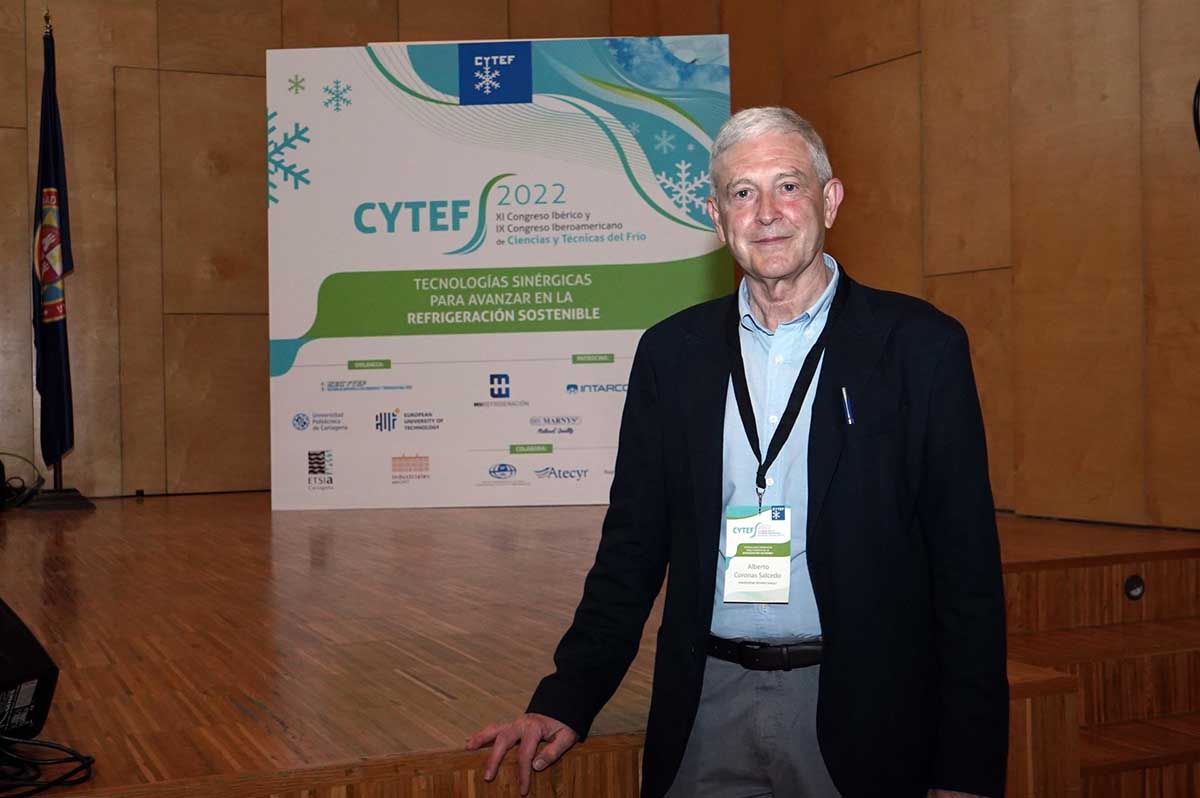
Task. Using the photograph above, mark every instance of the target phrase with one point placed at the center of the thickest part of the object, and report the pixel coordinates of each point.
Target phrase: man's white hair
(751, 122)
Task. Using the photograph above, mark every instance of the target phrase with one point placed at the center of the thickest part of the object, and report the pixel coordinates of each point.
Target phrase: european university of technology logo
(386, 421)
(495, 72)
(501, 386)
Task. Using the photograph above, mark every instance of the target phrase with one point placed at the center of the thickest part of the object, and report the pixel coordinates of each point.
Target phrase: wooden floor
(205, 637)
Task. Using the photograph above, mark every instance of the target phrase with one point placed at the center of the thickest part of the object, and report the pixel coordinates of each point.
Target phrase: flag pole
(52, 262)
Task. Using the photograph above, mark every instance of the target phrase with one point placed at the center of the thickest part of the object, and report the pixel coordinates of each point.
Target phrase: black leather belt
(763, 657)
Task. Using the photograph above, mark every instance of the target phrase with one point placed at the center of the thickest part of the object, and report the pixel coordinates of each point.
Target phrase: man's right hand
(528, 731)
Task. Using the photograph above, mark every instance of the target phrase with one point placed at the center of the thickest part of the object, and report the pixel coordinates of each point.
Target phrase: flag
(51, 263)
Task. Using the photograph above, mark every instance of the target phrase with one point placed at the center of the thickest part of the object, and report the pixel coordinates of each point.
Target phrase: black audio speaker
(27, 678)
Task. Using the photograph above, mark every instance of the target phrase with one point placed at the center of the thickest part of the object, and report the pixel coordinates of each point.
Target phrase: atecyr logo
(598, 387)
(502, 471)
(549, 472)
(301, 421)
(500, 386)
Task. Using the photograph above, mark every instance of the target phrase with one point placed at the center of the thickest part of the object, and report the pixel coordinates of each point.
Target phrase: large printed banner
(466, 242)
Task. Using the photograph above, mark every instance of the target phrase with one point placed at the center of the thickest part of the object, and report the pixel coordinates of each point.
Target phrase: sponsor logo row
(409, 468)
(420, 421)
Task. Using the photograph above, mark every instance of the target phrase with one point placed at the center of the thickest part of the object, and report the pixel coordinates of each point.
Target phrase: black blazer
(902, 549)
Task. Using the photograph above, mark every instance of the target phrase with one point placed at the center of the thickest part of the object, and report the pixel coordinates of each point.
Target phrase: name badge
(758, 544)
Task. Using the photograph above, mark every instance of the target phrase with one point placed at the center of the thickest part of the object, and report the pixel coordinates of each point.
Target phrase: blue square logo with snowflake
(495, 72)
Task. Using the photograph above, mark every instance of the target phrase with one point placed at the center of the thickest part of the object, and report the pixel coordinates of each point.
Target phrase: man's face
(769, 207)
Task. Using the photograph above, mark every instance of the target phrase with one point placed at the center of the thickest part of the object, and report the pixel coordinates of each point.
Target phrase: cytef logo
(501, 387)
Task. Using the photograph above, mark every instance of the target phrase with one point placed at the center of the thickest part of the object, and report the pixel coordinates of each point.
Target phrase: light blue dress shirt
(773, 362)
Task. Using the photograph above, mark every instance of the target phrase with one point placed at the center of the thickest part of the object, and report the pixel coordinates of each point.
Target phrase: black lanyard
(741, 390)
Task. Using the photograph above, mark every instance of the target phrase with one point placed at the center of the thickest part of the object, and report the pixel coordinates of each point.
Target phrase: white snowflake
(339, 95)
(488, 79)
(634, 128)
(279, 164)
(684, 189)
(664, 142)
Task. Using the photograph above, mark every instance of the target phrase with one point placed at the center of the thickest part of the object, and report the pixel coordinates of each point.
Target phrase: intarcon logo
(598, 387)
(502, 471)
(550, 472)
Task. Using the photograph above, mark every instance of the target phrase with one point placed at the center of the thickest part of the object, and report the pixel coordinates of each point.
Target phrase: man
(850, 641)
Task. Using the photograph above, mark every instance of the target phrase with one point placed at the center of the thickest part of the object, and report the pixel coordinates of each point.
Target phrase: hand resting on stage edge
(528, 731)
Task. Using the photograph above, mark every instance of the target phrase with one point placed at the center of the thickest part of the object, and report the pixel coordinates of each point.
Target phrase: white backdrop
(466, 242)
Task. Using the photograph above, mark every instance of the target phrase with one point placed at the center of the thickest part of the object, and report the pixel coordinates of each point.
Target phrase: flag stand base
(67, 499)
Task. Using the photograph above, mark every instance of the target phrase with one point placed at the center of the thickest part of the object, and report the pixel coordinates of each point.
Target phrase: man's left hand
(952, 794)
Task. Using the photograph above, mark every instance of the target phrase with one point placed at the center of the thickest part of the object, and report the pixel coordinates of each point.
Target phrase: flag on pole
(51, 263)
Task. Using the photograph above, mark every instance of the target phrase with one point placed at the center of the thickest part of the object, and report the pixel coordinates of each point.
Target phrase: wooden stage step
(1064, 575)
(1158, 758)
(1127, 672)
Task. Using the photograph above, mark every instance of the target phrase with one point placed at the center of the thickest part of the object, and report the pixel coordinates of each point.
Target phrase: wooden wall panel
(226, 36)
(528, 19)
(1170, 61)
(665, 17)
(982, 301)
(862, 33)
(217, 430)
(12, 63)
(874, 143)
(805, 78)
(91, 37)
(964, 135)
(213, 195)
(333, 23)
(453, 19)
(1077, 246)
(139, 249)
(755, 51)
(16, 332)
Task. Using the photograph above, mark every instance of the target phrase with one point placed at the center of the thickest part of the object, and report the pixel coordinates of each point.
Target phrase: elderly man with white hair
(805, 458)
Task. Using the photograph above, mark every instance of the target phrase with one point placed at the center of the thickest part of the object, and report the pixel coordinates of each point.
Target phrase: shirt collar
(820, 306)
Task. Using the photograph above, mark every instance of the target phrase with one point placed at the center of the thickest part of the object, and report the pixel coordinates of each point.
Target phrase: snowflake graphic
(295, 84)
(279, 165)
(488, 79)
(690, 146)
(339, 95)
(664, 142)
(634, 128)
(685, 190)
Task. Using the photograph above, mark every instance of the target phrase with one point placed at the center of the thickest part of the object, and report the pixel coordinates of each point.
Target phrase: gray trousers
(755, 736)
